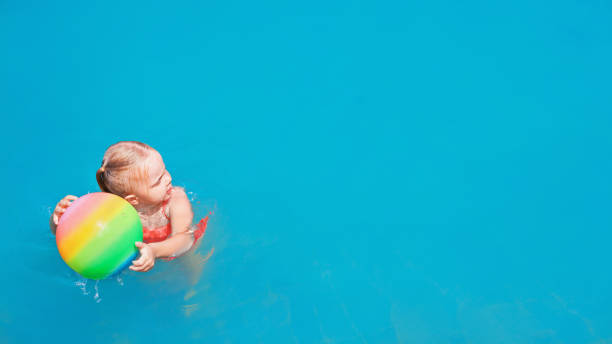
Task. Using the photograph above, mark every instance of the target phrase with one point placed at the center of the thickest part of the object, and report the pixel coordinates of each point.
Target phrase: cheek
(152, 192)
(162, 191)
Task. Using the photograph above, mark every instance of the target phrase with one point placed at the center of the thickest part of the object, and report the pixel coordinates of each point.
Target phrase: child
(136, 172)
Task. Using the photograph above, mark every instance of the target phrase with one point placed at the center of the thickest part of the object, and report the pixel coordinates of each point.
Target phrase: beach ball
(96, 235)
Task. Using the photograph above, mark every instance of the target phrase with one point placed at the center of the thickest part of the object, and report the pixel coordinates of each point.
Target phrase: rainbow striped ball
(96, 235)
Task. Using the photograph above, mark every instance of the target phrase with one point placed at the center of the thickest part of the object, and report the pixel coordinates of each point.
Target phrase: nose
(169, 178)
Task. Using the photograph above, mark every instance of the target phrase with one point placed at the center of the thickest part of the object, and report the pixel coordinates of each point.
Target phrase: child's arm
(181, 217)
(52, 225)
(60, 208)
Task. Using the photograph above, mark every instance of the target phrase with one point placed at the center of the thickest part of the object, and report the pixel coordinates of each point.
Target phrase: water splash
(82, 284)
(97, 294)
(95, 289)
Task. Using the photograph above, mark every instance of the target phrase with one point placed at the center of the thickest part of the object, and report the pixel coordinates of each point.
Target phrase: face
(158, 187)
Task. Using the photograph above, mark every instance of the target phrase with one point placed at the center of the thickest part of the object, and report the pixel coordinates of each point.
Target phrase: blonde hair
(122, 167)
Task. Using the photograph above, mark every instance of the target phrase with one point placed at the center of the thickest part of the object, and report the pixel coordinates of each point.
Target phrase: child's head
(136, 172)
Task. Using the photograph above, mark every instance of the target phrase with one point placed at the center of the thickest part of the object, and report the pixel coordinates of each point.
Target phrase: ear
(132, 199)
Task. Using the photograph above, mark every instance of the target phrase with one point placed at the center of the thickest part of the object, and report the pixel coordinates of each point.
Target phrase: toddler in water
(136, 172)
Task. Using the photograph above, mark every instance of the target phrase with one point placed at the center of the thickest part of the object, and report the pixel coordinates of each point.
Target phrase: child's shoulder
(178, 196)
(179, 203)
(178, 192)
(178, 188)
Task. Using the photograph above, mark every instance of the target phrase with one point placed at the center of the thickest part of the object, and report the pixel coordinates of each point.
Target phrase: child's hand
(146, 260)
(61, 207)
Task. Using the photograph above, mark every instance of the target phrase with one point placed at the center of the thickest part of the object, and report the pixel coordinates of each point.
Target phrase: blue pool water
(378, 171)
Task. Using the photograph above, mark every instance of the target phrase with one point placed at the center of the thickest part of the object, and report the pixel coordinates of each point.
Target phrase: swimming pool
(378, 172)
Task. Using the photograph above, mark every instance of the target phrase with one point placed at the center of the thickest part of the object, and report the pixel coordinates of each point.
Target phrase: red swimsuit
(158, 234)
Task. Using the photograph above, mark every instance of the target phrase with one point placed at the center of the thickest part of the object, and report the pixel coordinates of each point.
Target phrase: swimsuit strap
(164, 209)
